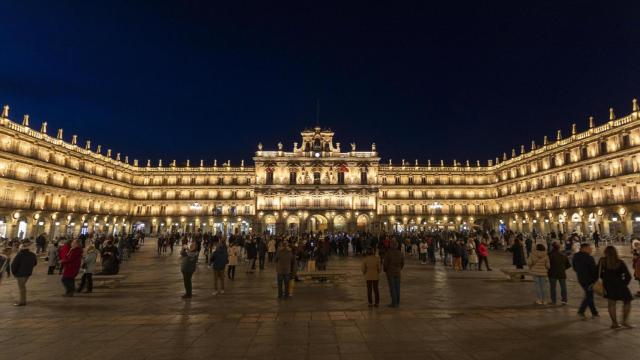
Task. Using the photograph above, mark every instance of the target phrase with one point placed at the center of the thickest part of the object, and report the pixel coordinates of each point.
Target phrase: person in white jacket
(234, 253)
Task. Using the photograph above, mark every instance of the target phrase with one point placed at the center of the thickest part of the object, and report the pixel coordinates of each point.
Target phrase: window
(269, 178)
(424, 180)
(398, 209)
(316, 178)
(247, 210)
(363, 178)
(410, 180)
(341, 178)
(292, 177)
(397, 180)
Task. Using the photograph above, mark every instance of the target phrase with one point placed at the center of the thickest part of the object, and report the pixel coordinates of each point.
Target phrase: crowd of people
(546, 258)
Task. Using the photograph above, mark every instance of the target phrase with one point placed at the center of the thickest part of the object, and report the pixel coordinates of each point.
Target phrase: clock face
(317, 154)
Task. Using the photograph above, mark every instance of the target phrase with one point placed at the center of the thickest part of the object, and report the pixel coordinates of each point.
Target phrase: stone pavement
(443, 315)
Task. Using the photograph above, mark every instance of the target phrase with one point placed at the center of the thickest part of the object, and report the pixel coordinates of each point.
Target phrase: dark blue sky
(196, 79)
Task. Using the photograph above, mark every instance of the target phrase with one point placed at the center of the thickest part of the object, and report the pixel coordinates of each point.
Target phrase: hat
(635, 243)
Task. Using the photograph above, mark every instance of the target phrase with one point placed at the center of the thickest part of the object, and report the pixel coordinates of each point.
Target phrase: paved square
(443, 315)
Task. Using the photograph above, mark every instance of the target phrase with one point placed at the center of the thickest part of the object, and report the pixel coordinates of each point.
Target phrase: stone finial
(108, 153)
(612, 115)
(135, 162)
(490, 162)
(228, 163)
(279, 146)
(634, 105)
(5, 111)
(467, 163)
(87, 145)
(215, 162)
(126, 159)
(160, 163)
(148, 162)
(441, 163)
(173, 163)
(43, 128)
(188, 163)
(545, 141)
(74, 139)
(591, 122)
(99, 149)
(25, 120)
(416, 162)
(559, 135)
(242, 163)
(295, 145)
(497, 160)
(513, 153)
(117, 156)
(402, 162)
(429, 162)
(373, 147)
(201, 163)
(353, 146)
(389, 162)
(477, 163)
(533, 144)
(573, 129)
(521, 149)
(60, 132)
(455, 163)
(504, 156)
(259, 146)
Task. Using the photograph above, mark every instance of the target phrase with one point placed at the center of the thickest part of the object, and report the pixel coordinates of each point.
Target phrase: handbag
(598, 286)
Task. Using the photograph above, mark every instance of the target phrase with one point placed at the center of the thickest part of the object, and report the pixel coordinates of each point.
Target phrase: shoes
(582, 317)
(595, 316)
(221, 292)
(214, 293)
(615, 326)
(564, 303)
(627, 325)
(370, 305)
(19, 304)
(186, 296)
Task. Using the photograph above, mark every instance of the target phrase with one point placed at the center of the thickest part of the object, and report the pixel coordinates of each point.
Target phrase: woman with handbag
(615, 281)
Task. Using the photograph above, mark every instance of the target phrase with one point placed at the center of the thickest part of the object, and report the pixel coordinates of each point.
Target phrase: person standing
(472, 254)
(585, 267)
(252, 253)
(558, 264)
(483, 255)
(219, 259)
(71, 267)
(284, 264)
(371, 272)
(518, 254)
(234, 253)
(539, 267)
(88, 268)
(615, 280)
(262, 252)
(188, 265)
(53, 257)
(596, 239)
(22, 268)
(393, 264)
(5, 262)
(271, 248)
(635, 252)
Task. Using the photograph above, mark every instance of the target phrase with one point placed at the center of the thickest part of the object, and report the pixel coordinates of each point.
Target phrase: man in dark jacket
(558, 263)
(252, 253)
(285, 262)
(21, 268)
(188, 264)
(219, 260)
(585, 268)
(393, 264)
(262, 252)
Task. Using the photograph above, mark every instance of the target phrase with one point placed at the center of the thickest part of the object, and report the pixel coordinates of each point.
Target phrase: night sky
(199, 80)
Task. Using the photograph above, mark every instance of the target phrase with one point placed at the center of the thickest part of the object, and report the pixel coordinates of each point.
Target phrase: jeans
(283, 286)
(218, 275)
(588, 300)
(186, 278)
(261, 262)
(394, 290)
(482, 259)
(231, 272)
(372, 287)
(69, 285)
(563, 289)
(87, 279)
(22, 286)
(540, 283)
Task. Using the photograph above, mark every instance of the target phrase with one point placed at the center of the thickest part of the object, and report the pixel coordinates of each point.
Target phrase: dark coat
(219, 258)
(615, 281)
(23, 263)
(71, 262)
(188, 261)
(558, 263)
(518, 254)
(393, 262)
(252, 250)
(285, 261)
(585, 267)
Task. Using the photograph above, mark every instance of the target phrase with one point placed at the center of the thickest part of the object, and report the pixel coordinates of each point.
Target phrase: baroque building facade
(584, 182)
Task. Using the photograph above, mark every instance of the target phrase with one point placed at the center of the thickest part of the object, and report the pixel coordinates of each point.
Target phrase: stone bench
(516, 274)
(110, 281)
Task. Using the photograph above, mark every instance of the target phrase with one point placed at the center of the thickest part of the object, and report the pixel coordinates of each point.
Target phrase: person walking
(615, 280)
(284, 263)
(393, 264)
(88, 268)
(188, 265)
(252, 254)
(585, 267)
(371, 272)
(71, 267)
(53, 257)
(22, 268)
(234, 253)
(558, 264)
(219, 259)
(539, 267)
(483, 255)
